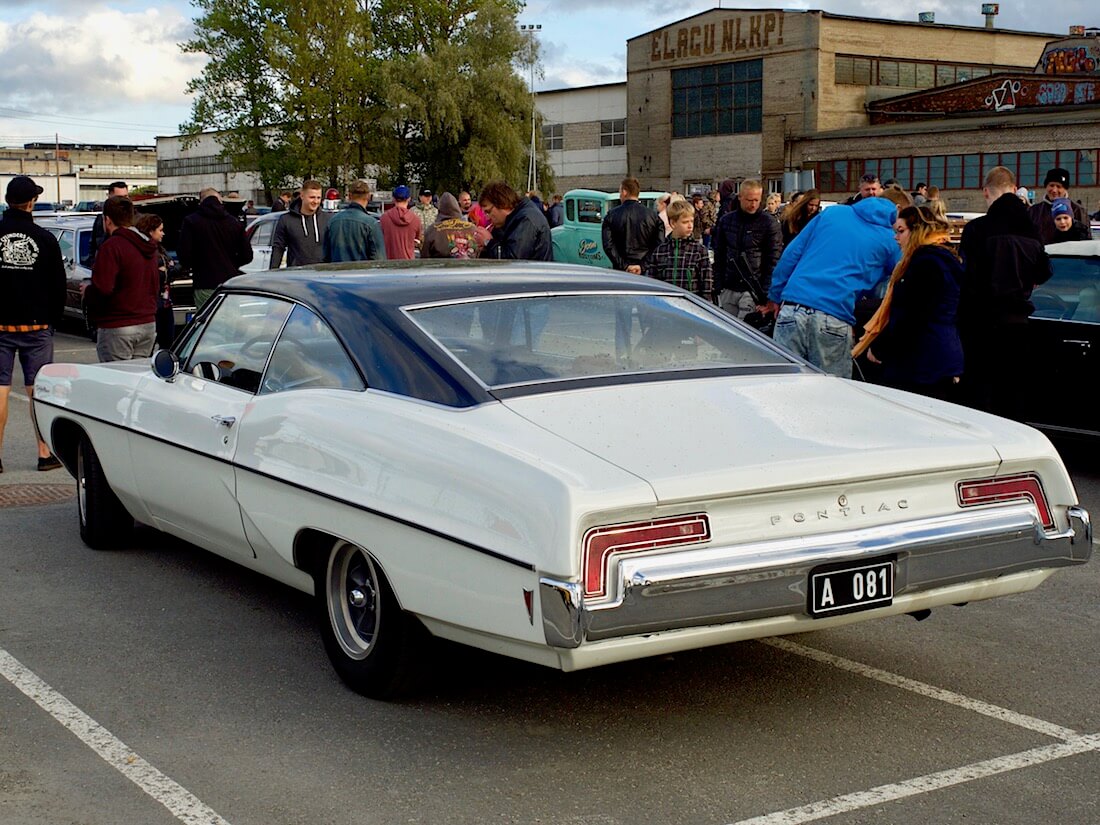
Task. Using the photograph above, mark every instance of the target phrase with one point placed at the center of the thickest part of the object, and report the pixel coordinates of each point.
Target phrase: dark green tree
(235, 92)
(323, 55)
(427, 90)
(461, 114)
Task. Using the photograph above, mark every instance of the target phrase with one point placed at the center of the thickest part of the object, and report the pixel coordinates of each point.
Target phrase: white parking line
(932, 692)
(924, 784)
(183, 805)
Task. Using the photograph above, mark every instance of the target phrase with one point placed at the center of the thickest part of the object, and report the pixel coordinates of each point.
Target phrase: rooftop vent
(990, 10)
(926, 17)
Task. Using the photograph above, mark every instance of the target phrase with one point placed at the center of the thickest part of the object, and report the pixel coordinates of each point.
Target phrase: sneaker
(49, 463)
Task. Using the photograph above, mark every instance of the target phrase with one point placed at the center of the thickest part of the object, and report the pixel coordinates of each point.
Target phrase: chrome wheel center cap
(357, 598)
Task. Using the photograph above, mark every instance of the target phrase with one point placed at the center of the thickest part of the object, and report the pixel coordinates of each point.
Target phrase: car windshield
(527, 339)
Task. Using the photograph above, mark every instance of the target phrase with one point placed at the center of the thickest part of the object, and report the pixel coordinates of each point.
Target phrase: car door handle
(224, 420)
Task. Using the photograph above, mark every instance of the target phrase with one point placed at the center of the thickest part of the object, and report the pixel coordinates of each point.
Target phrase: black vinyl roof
(363, 301)
(394, 284)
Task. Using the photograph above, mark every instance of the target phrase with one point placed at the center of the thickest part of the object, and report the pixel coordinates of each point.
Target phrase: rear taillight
(601, 543)
(1023, 487)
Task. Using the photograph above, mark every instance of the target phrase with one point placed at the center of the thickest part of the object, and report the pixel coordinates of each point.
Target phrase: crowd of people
(875, 286)
(929, 317)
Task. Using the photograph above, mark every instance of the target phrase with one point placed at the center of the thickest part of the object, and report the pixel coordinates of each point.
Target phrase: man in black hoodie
(32, 298)
(1005, 260)
(212, 246)
(300, 232)
(122, 297)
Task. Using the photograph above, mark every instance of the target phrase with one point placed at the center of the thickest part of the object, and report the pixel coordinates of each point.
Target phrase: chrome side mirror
(166, 365)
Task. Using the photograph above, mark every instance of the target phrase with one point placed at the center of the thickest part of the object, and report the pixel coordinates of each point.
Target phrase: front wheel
(369, 639)
(104, 522)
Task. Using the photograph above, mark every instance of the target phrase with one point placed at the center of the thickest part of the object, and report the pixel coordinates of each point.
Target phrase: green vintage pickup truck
(577, 240)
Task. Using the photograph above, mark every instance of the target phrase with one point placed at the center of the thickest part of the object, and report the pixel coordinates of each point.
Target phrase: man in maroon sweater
(122, 297)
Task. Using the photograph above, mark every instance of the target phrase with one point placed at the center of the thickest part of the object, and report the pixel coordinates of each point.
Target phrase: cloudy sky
(110, 71)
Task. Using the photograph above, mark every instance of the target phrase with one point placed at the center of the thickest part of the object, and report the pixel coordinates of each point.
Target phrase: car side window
(262, 235)
(309, 356)
(590, 211)
(84, 244)
(1072, 293)
(65, 241)
(236, 340)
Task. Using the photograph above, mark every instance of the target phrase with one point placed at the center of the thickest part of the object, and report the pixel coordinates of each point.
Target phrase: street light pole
(531, 30)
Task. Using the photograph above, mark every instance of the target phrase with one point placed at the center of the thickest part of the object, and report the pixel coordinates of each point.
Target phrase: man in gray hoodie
(300, 232)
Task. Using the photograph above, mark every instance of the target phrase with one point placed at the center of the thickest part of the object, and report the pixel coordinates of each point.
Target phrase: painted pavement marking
(927, 783)
(932, 692)
(180, 802)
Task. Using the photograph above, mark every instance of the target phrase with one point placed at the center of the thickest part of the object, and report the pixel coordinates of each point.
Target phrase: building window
(553, 136)
(958, 171)
(207, 165)
(721, 99)
(907, 74)
(613, 132)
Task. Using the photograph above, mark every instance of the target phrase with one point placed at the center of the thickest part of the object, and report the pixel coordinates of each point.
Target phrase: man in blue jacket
(352, 234)
(841, 254)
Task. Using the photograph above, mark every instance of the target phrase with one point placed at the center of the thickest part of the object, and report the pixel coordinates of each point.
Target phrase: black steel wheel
(104, 522)
(369, 639)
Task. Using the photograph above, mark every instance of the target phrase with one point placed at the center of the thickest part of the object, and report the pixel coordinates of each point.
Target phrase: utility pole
(531, 30)
(57, 166)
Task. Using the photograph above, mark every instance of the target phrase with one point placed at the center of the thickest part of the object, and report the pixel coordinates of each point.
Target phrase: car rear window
(532, 339)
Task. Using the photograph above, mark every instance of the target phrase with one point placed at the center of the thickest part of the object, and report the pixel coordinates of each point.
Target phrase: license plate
(846, 588)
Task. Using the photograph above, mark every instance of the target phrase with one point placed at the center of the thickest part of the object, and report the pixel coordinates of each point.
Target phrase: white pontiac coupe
(561, 464)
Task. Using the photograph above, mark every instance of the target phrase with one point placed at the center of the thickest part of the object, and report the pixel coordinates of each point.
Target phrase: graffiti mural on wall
(997, 93)
(1003, 98)
(1068, 61)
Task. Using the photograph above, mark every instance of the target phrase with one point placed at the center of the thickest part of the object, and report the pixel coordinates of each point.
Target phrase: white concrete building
(584, 133)
(187, 171)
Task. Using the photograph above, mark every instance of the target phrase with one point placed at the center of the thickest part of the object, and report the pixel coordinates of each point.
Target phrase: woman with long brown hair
(798, 213)
(152, 226)
(914, 334)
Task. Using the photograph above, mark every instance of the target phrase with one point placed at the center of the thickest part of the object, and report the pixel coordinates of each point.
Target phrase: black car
(1065, 334)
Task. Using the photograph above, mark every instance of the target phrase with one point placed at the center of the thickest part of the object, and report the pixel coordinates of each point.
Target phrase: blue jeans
(824, 341)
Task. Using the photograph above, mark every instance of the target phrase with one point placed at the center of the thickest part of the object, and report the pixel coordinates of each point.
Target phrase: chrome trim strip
(562, 611)
(674, 589)
(1081, 527)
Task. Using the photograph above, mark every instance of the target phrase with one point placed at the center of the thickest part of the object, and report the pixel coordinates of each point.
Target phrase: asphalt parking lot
(161, 684)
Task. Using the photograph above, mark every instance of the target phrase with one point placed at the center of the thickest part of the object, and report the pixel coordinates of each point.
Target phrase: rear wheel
(104, 522)
(371, 642)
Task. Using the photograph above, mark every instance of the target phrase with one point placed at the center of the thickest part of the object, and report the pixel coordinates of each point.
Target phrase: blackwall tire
(371, 642)
(104, 522)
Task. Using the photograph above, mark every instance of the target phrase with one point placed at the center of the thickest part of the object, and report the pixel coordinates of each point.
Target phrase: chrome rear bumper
(722, 585)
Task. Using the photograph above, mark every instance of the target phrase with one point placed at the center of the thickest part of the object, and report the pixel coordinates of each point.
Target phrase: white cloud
(95, 62)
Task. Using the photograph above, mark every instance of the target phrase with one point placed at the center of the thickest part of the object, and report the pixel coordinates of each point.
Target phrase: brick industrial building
(761, 93)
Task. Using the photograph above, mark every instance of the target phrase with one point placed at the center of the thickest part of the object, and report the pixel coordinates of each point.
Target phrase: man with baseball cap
(32, 299)
(426, 211)
(1057, 186)
(401, 228)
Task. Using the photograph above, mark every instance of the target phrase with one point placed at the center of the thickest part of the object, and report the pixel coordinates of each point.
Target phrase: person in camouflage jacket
(680, 259)
(705, 218)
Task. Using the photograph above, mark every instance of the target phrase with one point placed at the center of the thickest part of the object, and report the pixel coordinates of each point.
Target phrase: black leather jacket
(758, 236)
(630, 232)
(525, 236)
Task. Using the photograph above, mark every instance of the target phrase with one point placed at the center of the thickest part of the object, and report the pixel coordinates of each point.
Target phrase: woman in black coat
(914, 334)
